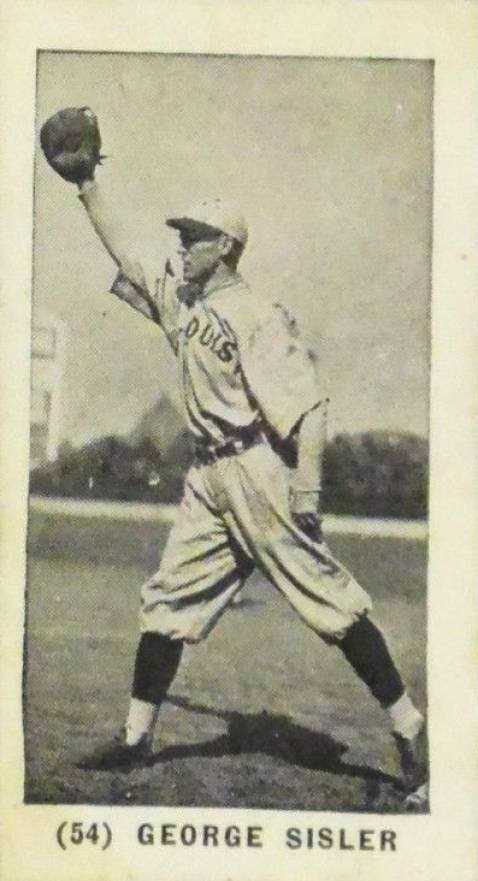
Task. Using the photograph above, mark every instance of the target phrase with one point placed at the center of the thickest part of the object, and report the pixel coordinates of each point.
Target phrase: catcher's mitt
(71, 143)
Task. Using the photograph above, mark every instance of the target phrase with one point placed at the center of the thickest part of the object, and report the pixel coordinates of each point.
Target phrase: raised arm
(109, 231)
(71, 143)
(131, 285)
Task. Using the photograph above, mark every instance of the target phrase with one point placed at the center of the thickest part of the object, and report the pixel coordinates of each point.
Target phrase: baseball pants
(234, 516)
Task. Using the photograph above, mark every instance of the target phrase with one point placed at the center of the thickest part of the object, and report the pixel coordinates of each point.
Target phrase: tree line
(375, 474)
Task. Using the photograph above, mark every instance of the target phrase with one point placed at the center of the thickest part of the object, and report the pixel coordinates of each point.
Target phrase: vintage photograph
(226, 598)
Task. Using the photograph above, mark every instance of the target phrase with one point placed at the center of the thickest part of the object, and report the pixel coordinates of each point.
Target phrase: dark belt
(207, 454)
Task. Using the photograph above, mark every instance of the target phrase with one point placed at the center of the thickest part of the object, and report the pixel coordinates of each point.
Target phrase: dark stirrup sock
(157, 660)
(366, 651)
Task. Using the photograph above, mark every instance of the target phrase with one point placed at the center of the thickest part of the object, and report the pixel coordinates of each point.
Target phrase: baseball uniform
(248, 386)
(244, 372)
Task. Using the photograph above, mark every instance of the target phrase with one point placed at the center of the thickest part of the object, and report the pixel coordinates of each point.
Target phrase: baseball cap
(214, 214)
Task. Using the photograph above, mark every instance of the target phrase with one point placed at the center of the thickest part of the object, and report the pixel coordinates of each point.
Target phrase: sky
(330, 161)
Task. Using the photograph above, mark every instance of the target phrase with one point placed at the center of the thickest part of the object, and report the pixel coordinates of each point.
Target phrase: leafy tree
(381, 474)
(378, 474)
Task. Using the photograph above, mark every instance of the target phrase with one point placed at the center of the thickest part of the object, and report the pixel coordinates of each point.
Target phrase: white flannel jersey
(241, 359)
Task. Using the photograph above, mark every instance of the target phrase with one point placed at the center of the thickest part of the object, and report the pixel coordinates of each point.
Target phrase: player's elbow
(132, 270)
(313, 424)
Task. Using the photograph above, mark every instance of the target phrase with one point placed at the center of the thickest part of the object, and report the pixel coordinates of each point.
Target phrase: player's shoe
(413, 761)
(118, 755)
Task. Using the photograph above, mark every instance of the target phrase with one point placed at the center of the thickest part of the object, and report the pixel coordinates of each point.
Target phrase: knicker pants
(234, 516)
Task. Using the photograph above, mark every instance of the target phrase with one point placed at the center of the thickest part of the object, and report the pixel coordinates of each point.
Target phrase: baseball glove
(71, 143)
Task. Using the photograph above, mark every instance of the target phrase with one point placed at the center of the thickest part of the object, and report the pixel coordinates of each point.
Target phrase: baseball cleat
(413, 761)
(118, 755)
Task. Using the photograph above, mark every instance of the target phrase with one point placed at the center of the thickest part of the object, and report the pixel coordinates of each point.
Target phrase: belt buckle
(231, 447)
(223, 451)
(204, 454)
(208, 455)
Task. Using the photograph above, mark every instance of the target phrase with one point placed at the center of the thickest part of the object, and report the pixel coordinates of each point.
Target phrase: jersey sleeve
(279, 370)
(152, 290)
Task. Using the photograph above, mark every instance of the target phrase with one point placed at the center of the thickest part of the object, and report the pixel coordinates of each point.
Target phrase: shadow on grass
(273, 735)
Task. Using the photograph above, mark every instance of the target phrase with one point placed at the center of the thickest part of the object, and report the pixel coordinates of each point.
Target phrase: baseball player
(252, 495)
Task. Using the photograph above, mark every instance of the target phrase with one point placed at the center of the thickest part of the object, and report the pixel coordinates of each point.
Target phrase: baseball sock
(157, 660)
(366, 650)
(142, 718)
(406, 720)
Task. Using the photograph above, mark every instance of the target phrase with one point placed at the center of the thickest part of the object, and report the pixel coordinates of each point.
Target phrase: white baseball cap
(214, 214)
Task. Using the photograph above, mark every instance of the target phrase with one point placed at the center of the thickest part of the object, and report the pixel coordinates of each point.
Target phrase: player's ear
(226, 245)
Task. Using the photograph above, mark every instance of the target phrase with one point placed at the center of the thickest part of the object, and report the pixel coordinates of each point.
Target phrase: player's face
(201, 254)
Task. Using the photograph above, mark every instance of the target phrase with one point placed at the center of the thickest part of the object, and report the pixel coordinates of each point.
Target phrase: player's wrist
(307, 491)
(85, 185)
(304, 501)
(306, 485)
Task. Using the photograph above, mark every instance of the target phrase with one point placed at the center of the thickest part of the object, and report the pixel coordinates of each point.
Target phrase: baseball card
(239, 482)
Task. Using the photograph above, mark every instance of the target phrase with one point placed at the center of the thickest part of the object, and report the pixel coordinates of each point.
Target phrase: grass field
(262, 714)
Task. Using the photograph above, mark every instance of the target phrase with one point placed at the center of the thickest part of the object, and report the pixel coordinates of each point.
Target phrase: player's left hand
(305, 510)
(71, 142)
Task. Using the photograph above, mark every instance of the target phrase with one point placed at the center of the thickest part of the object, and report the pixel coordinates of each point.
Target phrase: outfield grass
(262, 714)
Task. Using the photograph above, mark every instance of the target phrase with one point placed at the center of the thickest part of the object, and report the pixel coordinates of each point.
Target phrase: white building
(48, 359)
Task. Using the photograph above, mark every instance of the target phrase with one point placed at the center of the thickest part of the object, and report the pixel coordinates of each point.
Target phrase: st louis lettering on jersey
(262, 367)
